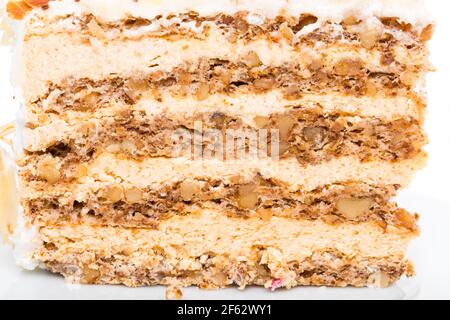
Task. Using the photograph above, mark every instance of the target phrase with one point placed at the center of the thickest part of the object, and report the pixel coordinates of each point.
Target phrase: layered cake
(135, 145)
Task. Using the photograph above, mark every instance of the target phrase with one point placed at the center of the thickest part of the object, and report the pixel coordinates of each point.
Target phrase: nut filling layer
(132, 207)
(209, 76)
(310, 137)
(219, 271)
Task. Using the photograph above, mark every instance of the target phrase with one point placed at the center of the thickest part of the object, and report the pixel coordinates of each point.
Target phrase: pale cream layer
(109, 170)
(59, 57)
(285, 240)
(71, 125)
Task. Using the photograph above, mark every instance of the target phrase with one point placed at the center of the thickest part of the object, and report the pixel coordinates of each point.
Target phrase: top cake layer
(411, 11)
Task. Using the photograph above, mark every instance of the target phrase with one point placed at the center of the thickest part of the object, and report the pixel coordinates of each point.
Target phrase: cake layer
(109, 168)
(308, 135)
(117, 205)
(61, 105)
(260, 65)
(213, 251)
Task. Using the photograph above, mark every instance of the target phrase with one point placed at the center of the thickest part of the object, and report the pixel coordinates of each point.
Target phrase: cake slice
(300, 122)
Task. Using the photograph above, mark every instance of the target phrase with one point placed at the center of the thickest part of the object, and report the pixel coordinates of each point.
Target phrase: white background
(429, 195)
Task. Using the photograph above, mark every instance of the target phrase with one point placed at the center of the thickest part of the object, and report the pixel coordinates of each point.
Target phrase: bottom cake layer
(210, 250)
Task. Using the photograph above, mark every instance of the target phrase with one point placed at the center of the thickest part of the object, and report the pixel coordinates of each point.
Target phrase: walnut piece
(285, 124)
(315, 136)
(252, 60)
(353, 208)
(48, 170)
(173, 293)
(405, 219)
(264, 83)
(202, 91)
(248, 197)
(261, 122)
(90, 276)
(133, 195)
(114, 193)
(348, 67)
(188, 189)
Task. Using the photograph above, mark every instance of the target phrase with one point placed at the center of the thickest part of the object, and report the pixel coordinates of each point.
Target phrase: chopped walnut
(315, 136)
(405, 219)
(248, 197)
(252, 60)
(286, 32)
(285, 124)
(173, 293)
(90, 275)
(348, 67)
(265, 214)
(133, 195)
(114, 193)
(202, 92)
(354, 208)
(188, 189)
(264, 83)
(427, 33)
(95, 29)
(48, 170)
(261, 122)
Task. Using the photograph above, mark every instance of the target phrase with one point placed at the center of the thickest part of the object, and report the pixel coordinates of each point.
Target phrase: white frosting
(26, 243)
(412, 11)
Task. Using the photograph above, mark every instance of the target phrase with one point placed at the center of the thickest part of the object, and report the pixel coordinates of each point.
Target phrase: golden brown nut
(264, 83)
(348, 67)
(48, 170)
(405, 219)
(202, 91)
(369, 38)
(354, 208)
(133, 195)
(285, 124)
(261, 122)
(188, 189)
(315, 136)
(286, 32)
(248, 197)
(173, 293)
(252, 60)
(427, 33)
(90, 276)
(350, 21)
(91, 100)
(265, 214)
(114, 193)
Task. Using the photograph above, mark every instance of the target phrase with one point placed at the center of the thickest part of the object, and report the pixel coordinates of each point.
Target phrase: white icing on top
(412, 11)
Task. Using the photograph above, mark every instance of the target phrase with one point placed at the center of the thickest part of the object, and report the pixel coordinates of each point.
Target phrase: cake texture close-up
(333, 91)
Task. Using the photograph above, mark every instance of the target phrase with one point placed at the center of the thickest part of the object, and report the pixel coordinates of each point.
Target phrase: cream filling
(154, 171)
(66, 56)
(208, 231)
(245, 107)
(412, 11)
